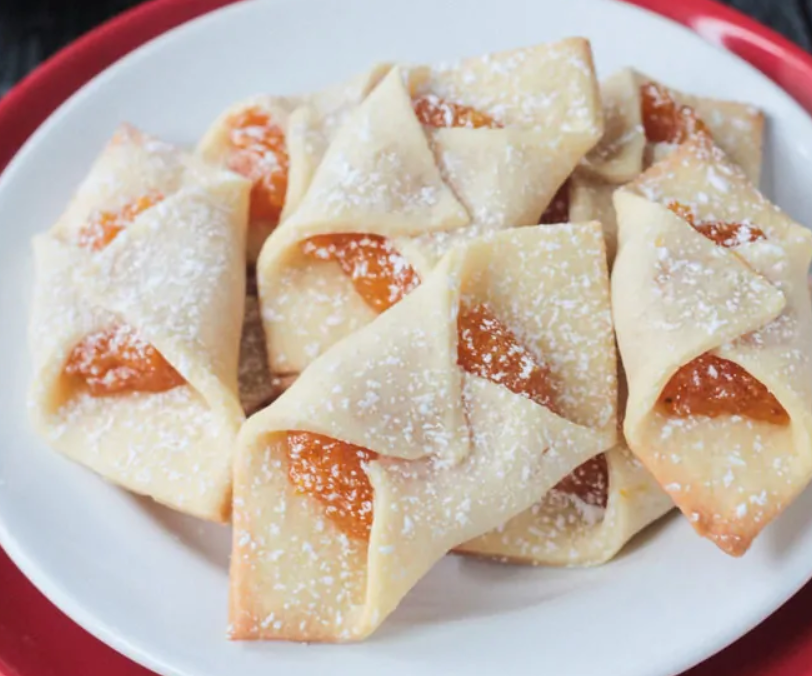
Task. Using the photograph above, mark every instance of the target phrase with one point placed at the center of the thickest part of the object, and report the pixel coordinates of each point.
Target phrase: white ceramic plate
(154, 584)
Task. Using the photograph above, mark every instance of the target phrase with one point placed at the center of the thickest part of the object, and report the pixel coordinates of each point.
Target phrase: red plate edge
(36, 639)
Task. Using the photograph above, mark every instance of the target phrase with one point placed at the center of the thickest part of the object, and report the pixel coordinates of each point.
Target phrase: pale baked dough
(177, 276)
(309, 123)
(563, 529)
(677, 295)
(459, 455)
(623, 152)
(427, 189)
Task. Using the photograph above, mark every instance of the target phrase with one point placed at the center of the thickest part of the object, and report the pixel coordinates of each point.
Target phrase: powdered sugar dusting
(161, 289)
(448, 442)
(178, 458)
(502, 178)
(741, 299)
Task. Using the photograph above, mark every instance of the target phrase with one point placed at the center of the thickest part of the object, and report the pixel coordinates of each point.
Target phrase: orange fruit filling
(713, 387)
(590, 482)
(259, 152)
(104, 226)
(333, 472)
(489, 349)
(724, 234)
(116, 360)
(379, 273)
(709, 385)
(664, 120)
(558, 210)
(433, 111)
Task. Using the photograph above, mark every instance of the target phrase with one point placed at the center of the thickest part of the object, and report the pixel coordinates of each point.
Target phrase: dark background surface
(32, 30)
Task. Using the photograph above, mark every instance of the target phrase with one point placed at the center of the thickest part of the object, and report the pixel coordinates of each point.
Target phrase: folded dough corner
(143, 276)
(427, 187)
(714, 325)
(308, 124)
(644, 121)
(451, 455)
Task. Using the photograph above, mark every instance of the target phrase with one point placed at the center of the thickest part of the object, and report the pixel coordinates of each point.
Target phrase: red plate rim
(35, 636)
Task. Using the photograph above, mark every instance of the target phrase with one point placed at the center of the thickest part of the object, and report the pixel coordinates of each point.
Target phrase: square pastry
(446, 416)
(714, 324)
(136, 324)
(592, 514)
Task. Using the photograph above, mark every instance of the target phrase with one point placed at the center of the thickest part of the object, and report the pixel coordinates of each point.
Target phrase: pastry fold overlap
(525, 119)
(733, 305)
(645, 121)
(161, 296)
(448, 455)
(290, 135)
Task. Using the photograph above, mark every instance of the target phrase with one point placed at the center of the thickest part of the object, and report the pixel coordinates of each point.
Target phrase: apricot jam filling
(333, 472)
(664, 120)
(728, 235)
(589, 483)
(433, 111)
(558, 210)
(713, 387)
(709, 385)
(489, 349)
(104, 226)
(259, 152)
(116, 360)
(379, 273)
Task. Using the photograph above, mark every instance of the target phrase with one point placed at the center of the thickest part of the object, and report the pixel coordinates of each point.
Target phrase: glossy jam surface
(728, 235)
(558, 210)
(259, 152)
(104, 226)
(333, 472)
(589, 483)
(116, 360)
(664, 120)
(712, 386)
(379, 273)
(433, 111)
(489, 349)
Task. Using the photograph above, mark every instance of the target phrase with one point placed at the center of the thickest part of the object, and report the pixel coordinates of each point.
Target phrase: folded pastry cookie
(136, 324)
(645, 121)
(714, 326)
(443, 418)
(433, 157)
(277, 142)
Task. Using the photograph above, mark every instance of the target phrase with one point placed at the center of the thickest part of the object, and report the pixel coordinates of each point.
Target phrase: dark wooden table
(32, 30)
